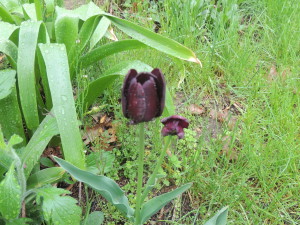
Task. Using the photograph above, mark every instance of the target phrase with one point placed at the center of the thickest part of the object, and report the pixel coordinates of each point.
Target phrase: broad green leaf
(30, 34)
(56, 61)
(7, 82)
(10, 192)
(95, 218)
(154, 40)
(39, 9)
(6, 16)
(58, 209)
(88, 10)
(109, 49)
(14, 140)
(220, 218)
(10, 114)
(10, 50)
(66, 31)
(6, 30)
(50, 6)
(10, 4)
(45, 176)
(108, 188)
(99, 31)
(40, 139)
(29, 12)
(96, 87)
(155, 204)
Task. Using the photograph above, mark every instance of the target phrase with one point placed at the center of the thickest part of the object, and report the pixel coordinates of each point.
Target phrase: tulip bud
(174, 125)
(143, 95)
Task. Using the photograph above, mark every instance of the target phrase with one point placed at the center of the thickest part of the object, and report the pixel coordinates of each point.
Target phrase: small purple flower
(143, 95)
(174, 126)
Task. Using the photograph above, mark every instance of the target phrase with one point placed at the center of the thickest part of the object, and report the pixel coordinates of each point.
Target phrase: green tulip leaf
(6, 30)
(45, 176)
(10, 192)
(56, 62)
(6, 15)
(154, 40)
(107, 187)
(31, 33)
(99, 31)
(38, 142)
(155, 204)
(109, 49)
(220, 218)
(29, 12)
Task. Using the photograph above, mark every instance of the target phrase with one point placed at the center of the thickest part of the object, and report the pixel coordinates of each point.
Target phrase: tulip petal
(161, 89)
(136, 102)
(151, 99)
(130, 75)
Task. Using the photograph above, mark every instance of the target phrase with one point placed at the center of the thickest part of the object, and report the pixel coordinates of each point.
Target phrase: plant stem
(140, 172)
(151, 180)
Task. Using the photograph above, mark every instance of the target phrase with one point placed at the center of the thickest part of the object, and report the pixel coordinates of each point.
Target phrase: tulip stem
(151, 182)
(140, 172)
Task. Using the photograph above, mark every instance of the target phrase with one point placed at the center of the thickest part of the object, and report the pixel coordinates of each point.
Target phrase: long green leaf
(45, 176)
(66, 31)
(35, 147)
(10, 50)
(84, 36)
(99, 31)
(29, 12)
(155, 204)
(6, 30)
(6, 16)
(220, 218)
(96, 87)
(56, 61)
(154, 40)
(109, 49)
(30, 34)
(108, 188)
(10, 115)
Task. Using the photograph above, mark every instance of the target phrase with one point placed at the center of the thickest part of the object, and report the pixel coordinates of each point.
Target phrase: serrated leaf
(95, 218)
(100, 162)
(155, 204)
(7, 82)
(10, 192)
(220, 218)
(154, 40)
(107, 187)
(58, 209)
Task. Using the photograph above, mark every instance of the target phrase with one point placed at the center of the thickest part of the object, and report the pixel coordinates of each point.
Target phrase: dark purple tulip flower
(143, 95)
(174, 126)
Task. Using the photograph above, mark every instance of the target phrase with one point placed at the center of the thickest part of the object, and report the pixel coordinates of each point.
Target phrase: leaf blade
(103, 185)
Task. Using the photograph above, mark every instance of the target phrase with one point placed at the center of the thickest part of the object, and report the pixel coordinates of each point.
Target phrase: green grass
(238, 42)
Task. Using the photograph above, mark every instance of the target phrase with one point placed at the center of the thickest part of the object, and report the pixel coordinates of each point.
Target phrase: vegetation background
(242, 149)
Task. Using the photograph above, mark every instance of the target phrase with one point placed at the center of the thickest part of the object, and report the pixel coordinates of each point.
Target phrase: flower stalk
(140, 172)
